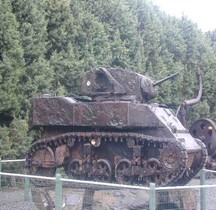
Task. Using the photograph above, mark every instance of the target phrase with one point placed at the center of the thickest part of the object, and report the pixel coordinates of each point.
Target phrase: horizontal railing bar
(108, 184)
(7, 161)
(27, 176)
(105, 184)
(207, 170)
(184, 187)
(75, 181)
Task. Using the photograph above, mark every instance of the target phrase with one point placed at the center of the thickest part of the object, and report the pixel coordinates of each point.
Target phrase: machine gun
(165, 79)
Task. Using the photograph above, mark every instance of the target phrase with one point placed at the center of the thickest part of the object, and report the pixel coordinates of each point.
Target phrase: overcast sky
(202, 12)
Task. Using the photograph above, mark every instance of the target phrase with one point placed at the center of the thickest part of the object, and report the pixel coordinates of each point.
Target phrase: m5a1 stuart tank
(115, 134)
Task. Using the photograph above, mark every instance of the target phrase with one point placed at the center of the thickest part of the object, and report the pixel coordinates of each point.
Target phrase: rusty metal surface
(205, 130)
(52, 111)
(101, 114)
(61, 153)
(105, 81)
(84, 167)
(60, 112)
(118, 135)
(141, 115)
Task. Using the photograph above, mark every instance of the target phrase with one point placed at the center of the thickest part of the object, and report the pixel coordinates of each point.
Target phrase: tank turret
(118, 135)
(111, 83)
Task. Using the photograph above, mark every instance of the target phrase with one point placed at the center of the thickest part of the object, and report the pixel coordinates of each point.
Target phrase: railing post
(202, 190)
(152, 202)
(27, 189)
(0, 172)
(58, 193)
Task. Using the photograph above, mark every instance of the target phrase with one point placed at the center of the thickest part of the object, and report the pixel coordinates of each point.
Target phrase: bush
(14, 140)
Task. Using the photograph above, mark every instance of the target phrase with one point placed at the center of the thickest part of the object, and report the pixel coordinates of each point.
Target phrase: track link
(165, 165)
(200, 158)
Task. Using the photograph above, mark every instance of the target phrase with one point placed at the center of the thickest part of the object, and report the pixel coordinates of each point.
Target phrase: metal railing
(154, 193)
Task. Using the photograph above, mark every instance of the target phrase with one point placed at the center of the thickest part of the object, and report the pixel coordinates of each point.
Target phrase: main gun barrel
(165, 79)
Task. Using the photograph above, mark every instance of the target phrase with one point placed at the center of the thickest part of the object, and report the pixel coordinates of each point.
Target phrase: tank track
(165, 168)
(198, 163)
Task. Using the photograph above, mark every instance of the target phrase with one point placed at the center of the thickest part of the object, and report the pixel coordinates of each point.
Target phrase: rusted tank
(205, 130)
(115, 134)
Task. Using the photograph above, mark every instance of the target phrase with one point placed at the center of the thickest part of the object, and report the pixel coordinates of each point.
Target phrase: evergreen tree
(14, 140)
(78, 42)
(46, 46)
(212, 36)
(172, 52)
(121, 28)
(149, 27)
(63, 59)
(11, 61)
(38, 76)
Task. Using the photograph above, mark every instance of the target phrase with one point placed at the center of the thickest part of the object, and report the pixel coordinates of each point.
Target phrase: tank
(113, 132)
(205, 130)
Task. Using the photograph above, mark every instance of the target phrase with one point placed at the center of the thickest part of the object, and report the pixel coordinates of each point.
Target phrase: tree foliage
(46, 46)
(11, 61)
(14, 140)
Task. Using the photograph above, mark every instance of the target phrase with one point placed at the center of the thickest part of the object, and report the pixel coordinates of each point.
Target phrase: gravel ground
(12, 199)
(210, 195)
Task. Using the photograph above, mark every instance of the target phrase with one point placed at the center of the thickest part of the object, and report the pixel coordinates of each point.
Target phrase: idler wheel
(75, 169)
(103, 171)
(43, 163)
(123, 172)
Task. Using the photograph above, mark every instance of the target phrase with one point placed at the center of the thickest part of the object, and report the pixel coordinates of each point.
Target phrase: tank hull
(63, 111)
(112, 141)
